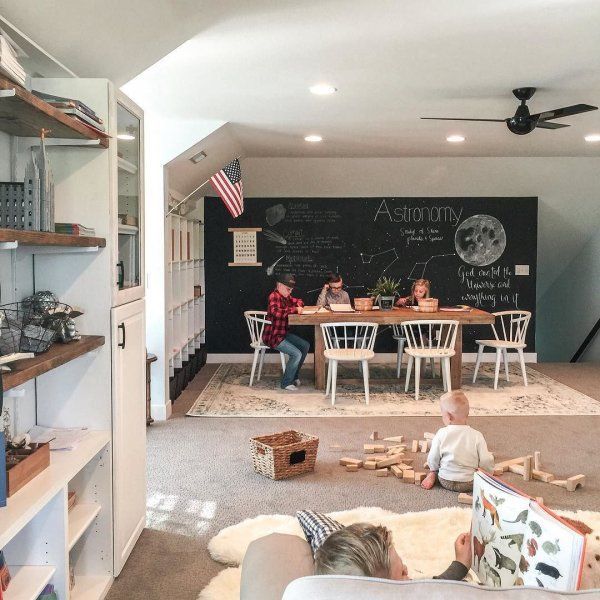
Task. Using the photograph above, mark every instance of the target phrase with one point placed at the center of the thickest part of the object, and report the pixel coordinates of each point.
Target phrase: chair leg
(417, 376)
(478, 362)
(365, 370)
(333, 380)
(399, 358)
(522, 361)
(408, 372)
(505, 356)
(282, 356)
(497, 372)
(328, 387)
(446, 367)
(261, 360)
(254, 361)
(443, 374)
(432, 365)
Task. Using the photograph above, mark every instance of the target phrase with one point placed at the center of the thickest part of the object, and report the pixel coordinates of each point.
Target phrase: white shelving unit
(185, 269)
(28, 582)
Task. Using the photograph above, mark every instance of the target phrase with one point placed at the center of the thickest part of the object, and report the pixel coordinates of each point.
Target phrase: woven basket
(363, 304)
(284, 454)
(428, 305)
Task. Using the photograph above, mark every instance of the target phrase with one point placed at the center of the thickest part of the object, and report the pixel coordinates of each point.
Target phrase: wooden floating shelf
(46, 238)
(59, 354)
(23, 114)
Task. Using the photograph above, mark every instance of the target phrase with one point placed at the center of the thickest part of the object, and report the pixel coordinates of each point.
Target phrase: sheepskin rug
(413, 535)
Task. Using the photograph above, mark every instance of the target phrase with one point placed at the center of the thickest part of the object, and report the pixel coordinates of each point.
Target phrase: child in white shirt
(457, 450)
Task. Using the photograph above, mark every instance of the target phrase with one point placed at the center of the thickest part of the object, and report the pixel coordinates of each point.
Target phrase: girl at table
(333, 292)
(420, 289)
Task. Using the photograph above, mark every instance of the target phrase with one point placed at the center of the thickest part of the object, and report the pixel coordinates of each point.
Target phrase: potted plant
(385, 291)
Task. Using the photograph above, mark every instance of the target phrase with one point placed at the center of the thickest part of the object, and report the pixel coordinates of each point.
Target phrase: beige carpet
(229, 395)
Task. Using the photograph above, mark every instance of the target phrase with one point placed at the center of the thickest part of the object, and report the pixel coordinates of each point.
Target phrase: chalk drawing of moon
(480, 240)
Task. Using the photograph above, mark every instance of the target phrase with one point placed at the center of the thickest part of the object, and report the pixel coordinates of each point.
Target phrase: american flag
(228, 184)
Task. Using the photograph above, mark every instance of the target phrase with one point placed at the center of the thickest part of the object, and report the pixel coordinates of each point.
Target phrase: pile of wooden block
(388, 456)
(530, 467)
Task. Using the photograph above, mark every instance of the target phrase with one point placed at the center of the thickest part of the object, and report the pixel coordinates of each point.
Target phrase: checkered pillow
(316, 527)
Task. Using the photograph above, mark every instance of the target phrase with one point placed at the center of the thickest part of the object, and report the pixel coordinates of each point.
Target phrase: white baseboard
(383, 357)
(161, 412)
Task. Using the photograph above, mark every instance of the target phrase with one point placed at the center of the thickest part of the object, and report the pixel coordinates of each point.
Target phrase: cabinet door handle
(122, 344)
(120, 274)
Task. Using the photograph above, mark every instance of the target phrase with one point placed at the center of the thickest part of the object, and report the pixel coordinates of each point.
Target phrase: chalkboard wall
(476, 251)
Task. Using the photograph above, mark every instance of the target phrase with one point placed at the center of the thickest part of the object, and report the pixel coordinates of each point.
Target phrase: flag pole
(193, 192)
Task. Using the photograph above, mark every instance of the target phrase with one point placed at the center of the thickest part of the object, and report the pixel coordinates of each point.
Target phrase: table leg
(456, 361)
(319, 359)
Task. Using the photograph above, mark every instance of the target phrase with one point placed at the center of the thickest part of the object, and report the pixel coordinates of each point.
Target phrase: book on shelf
(516, 540)
(54, 99)
(83, 117)
(9, 65)
(74, 229)
(59, 438)
(71, 107)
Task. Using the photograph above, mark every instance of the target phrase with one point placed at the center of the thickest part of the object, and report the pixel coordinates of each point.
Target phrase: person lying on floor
(367, 550)
(457, 450)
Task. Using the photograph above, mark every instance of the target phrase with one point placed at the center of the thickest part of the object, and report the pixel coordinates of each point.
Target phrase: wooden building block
(415, 446)
(465, 499)
(574, 482)
(419, 477)
(428, 436)
(375, 457)
(408, 461)
(527, 468)
(369, 448)
(351, 468)
(513, 461)
(374, 436)
(408, 476)
(370, 465)
(424, 445)
(560, 483)
(542, 476)
(518, 469)
(396, 449)
(350, 461)
(381, 472)
(498, 471)
(395, 438)
(396, 470)
(537, 460)
(380, 448)
(388, 462)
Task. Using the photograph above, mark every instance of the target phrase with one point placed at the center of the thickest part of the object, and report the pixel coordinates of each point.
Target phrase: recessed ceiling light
(455, 138)
(313, 138)
(198, 157)
(593, 137)
(322, 89)
(126, 136)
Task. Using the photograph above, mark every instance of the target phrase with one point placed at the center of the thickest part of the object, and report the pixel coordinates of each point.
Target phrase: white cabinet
(129, 428)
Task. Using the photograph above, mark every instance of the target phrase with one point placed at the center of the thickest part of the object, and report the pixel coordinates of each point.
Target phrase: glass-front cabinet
(130, 202)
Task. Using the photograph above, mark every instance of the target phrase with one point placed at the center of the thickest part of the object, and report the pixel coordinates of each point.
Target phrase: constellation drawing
(425, 263)
(422, 265)
(367, 258)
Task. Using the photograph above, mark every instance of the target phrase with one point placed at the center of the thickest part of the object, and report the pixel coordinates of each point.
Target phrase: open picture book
(518, 541)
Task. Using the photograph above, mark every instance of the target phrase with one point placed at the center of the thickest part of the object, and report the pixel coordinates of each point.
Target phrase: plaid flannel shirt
(277, 312)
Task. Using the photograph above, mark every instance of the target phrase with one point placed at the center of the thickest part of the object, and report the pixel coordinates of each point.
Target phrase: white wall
(568, 190)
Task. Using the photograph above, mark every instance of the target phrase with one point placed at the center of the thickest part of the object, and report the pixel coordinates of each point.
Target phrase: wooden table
(390, 317)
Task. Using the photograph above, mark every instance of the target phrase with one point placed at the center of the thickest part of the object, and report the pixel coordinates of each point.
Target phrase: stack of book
(74, 108)
(9, 65)
(74, 229)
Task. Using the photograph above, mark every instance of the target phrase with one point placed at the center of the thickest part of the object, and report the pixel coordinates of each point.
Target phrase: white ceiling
(250, 64)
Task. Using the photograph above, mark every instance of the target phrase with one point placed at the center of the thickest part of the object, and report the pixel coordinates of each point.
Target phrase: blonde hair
(359, 549)
(425, 283)
(455, 403)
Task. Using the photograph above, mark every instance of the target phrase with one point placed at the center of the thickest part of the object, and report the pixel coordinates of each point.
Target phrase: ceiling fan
(522, 122)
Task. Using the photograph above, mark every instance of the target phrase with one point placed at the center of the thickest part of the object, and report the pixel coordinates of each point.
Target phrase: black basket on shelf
(28, 327)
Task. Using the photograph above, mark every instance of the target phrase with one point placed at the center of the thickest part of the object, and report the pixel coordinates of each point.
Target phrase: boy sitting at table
(276, 334)
(457, 450)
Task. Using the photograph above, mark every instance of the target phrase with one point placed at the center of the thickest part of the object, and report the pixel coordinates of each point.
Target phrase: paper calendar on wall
(245, 248)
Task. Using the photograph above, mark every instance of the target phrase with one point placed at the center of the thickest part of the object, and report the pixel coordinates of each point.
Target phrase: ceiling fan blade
(459, 119)
(567, 111)
(548, 125)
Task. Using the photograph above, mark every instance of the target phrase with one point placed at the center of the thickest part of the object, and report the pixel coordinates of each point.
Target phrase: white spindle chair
(429, 340)
(348, 342)
(514, 325)
(398, 335)
(256, 321)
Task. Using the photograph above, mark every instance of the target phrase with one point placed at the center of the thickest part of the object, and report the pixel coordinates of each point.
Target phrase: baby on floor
(457, 450)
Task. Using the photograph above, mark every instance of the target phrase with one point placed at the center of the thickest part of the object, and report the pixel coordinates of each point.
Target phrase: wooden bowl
(363, 304)
(428, 305)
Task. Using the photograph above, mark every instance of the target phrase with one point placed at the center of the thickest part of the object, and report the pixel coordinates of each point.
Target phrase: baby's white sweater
(457, 451)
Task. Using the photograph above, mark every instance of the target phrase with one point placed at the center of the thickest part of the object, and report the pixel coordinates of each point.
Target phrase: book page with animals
(499, 517)
(553, 552)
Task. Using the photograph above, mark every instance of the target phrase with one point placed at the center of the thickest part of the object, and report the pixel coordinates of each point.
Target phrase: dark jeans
(297, 349)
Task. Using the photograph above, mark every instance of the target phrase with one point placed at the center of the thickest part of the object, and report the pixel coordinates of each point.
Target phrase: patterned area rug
(228, 395)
